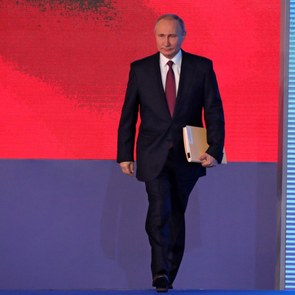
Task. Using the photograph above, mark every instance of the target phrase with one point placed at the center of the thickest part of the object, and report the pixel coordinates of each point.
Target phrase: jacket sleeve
(213, 115)
(128, 120)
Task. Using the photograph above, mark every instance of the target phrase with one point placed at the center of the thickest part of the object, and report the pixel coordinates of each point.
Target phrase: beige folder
(195, 143)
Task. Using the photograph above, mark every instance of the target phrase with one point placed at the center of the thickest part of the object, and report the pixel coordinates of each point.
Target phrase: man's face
(169, 37)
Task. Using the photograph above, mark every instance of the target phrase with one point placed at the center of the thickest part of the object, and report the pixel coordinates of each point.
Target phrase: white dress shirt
(176, 68)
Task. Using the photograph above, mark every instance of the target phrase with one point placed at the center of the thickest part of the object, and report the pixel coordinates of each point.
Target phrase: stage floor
(142, 292)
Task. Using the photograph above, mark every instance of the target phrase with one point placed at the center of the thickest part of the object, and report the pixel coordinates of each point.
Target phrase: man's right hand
(127, 167)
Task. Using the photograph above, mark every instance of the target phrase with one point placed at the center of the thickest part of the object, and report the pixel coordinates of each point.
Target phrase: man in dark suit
(161, 161)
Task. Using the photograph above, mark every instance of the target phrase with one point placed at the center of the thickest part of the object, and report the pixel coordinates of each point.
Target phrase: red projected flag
(60, 63)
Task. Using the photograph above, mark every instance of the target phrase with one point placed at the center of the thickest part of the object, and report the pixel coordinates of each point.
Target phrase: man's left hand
(208, 161)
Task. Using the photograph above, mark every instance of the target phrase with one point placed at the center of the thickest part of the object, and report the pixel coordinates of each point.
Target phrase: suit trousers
(168, 196)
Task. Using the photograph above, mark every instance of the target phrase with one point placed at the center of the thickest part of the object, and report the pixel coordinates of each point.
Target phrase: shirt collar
(176, 59)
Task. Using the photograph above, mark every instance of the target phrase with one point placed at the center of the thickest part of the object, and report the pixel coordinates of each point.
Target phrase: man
(161, 161)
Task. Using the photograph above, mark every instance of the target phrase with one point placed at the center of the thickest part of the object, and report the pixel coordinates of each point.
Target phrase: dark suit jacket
(197, 92)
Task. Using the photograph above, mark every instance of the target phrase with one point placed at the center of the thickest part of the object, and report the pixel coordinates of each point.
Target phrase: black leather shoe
(161, 283)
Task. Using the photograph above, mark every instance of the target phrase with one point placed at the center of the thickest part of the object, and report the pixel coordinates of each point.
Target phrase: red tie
(170, 88)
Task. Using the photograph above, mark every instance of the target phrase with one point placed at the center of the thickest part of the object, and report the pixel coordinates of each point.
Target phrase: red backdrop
(64, 67)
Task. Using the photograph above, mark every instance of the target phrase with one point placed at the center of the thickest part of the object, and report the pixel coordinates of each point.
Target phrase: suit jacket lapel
(186, 73)
(158, 74)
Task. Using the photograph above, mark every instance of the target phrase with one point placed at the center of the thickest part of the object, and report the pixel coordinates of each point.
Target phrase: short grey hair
(171, 16)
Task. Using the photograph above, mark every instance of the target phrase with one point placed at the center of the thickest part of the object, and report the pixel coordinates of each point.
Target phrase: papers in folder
(195, 143)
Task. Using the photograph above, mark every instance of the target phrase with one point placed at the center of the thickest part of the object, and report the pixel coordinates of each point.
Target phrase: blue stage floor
(142, 292)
